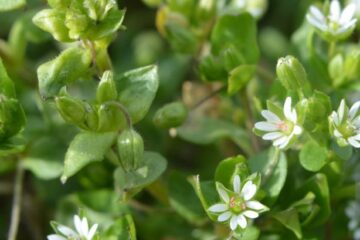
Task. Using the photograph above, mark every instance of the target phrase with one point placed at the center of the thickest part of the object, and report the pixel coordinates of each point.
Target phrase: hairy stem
(249, 121)
(131, 224)
(16, 206)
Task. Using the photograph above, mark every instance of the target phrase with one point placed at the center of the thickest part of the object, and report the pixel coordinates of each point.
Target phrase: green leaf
(238, 31)
(313, 157)
(229, 168)
(153, 165)
(109, 25)
(137, 89)
(290, 219)
(272, 165)
(85, 148)
(206, 192)
(69, 66)
(208, 130)
(318, 185)
(212, 69)
(7, 5)
(249, 233)
(184, 200)
(43, 169)
(6, 85)
(239, 77)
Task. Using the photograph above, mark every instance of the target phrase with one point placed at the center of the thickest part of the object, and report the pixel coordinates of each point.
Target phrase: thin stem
(249, 121)
(131, 224)
(16, 207)
(211, 95)
(265, 74)
(332, 48)
(122, 109)
(270, 169)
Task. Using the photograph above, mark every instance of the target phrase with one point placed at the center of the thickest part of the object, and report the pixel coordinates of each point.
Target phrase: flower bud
(59, 3)
(91, 118)
(98, 9)
(130, 148)
(291, 73)
(106, 90)
(53, 21)
(72, 110)
(170, 115)
(110, 118)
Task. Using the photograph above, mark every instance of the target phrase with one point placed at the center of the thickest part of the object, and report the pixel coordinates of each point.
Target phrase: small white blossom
(237, 205)
(345, 124)
(256, 8)
(280, 129)
(357, 9)
(353, 213)
(82, 231)
(337, 24)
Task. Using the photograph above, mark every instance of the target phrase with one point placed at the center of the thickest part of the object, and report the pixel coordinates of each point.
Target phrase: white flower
(345, 124)
(280, 130)
(357, 9)
(82, 231)
(256, 8)
(337, 24)
(353, 213)
(238, 205)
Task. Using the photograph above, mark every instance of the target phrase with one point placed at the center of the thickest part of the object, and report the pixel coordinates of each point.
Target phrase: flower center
(285, 127)
(237, 204)
(347, 129)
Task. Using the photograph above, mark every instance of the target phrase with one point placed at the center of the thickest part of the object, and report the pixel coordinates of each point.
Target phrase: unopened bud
(291, 73)
(171, 115)
(130, 148)
(106, 90)
(72, 110)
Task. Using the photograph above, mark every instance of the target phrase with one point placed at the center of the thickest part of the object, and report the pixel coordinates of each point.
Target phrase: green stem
(131, 224)
(265, 74)
(332, 48)
(249, 121)
(16, 207)
(206, 98)
(122, 109)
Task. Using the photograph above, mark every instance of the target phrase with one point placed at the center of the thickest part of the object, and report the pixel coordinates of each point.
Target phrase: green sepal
(170, 115)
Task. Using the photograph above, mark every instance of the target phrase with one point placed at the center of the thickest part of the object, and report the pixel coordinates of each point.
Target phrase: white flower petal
(335, 118)
(272, 135)
(335, 10)
(280, 141)
(242, 221)
(77, 223)
(255, 205)
(66, 231)
(224, 216)
(356, 137)
(223, 194)
(297, 130)
(84, 226)
(317, 14)
(270, 116)
(353, 142)
(348, 13)
(248, 191)
(316, 23)
(293, 115)
(219, 207)
(251, 214)
(236, 184)
(92, 232)
(287, 108)
(286, 142)
(55, 237)
(347, 27)
(337, 133)
(266, 126)
(341, 110)
(233, 222)
(353, 110)
(353, 224)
